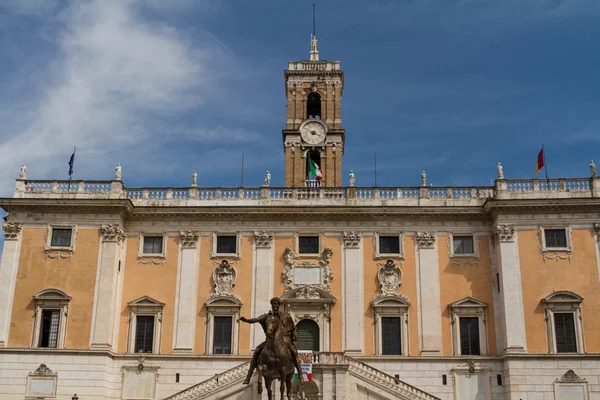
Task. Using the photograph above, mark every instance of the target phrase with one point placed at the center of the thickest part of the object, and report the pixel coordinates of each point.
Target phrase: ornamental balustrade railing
(503, 189)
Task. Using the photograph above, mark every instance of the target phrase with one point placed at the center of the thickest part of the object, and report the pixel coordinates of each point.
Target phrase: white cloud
(116, 86)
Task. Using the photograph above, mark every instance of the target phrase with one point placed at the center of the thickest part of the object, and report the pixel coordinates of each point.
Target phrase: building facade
(423, 292)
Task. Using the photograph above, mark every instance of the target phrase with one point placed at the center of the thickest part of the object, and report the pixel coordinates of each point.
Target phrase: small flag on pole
(540, 161)
(71, 162)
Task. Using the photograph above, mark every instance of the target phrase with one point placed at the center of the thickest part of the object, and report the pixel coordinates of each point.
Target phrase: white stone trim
(563, 302)
(162, 255)
(238, 245)
(570, 378)
(353, 320)
(377, 255)
(307, 255)
(145, 306)
(469, 369)
(263, 283)
(392, 307)
(223, 306)
(9, 266)
(542, 238)
(469, 307)
(429, 301)
(475, 237)
(51, 299)
(42, 373)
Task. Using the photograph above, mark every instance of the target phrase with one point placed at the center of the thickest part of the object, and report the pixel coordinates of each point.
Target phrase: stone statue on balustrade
(195, 179)
(593, 168)
(500, 171)
(267, 179)
(423, 179)
(352, 178)
(277, 356)
(118, 172)
(23, 172)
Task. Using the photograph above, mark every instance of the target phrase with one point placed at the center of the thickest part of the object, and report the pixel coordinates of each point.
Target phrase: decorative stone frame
(377, 255)
(213, 245)
(391, 306)
(154, 258)
(570, 379)
(475, 253)
(469, 307)
(315, 304)
(223, 306)
(41, 374)
(57, 251)
(145, 306)
(311, 255)
(51, 299)
(325, 271)
(542, 236)
(467, 370)
(563, 301)
(138, 381)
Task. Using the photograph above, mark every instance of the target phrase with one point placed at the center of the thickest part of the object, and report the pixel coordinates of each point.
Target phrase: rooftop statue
(277, 356)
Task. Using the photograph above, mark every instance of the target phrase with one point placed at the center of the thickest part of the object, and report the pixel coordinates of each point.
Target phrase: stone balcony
(425, 196)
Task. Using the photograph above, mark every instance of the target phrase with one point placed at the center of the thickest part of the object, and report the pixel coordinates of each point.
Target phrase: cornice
(495, 207)
(98, 206)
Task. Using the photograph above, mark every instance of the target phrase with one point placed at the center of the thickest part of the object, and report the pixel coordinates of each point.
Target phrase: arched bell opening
(313, 106)
(313, 168)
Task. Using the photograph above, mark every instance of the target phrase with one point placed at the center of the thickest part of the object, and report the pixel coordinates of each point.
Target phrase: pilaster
(429, 303)
(187, 292)
(353, 289)
(106, 292)
(511, 293)
(263, 282)
(8, 275)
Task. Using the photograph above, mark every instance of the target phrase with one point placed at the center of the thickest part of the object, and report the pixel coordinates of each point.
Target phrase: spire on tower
(314, 52)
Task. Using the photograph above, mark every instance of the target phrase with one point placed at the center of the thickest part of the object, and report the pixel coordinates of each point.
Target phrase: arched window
(308, 335)
(311, 179)
(313, 106)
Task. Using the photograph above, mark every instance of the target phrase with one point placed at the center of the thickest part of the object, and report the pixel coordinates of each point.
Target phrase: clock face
(313, 132)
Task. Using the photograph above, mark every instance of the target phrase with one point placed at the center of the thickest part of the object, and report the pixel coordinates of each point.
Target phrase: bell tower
(313, 134)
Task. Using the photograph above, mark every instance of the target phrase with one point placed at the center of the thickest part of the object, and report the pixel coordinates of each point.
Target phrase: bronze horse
(275, 361)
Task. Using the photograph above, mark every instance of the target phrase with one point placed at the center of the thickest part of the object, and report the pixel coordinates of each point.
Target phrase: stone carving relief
(307, 274)
(351, 239)
(224, 277)
(504, 232)
(425, 239)
(570, 377)
(263, 239)
(11, 230)
(112, 233)
(43, 370)
(389, 277)
(189, 239)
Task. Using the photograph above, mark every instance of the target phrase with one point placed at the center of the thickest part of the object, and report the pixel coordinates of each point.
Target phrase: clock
(313, 132)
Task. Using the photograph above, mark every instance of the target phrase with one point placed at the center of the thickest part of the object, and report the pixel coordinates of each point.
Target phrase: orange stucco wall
(460, 281)
(242, 289)
(539, 278)
(408, 288)
(76, 277)
(156, 281)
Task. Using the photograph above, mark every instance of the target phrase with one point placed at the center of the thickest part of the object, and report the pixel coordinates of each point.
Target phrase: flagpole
(242, 179)
(375, 161)
(545, 165)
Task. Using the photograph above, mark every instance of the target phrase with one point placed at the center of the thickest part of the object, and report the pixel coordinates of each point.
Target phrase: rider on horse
(291, 336)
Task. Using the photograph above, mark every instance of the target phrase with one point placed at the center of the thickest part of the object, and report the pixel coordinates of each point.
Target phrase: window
(463, 244)
(555, 238)
(469, 336)
(153, 244)
(227, 244)
(564, 328)
(50, 318)
(308, 245)
(49, 326)
(222, 329)
(313, 105)
(391, 337)
(61, 237)
(145, 325)
(308, 335)
(469, 327)
(389, 245)
(563, 322)
(222, 335)
(144, 335)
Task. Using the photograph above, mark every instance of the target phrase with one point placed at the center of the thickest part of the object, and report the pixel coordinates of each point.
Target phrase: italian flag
(315, 170)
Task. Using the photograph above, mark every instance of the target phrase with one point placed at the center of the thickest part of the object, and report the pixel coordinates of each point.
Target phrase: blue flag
(71, 162)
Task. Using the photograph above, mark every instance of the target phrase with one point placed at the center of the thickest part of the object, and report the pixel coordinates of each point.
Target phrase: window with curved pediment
(51, 310)
(564, 322)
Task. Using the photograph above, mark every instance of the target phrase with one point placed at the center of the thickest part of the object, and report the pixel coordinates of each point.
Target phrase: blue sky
(169, 87)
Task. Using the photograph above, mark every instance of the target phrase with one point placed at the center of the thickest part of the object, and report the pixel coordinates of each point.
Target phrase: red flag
(540, 161)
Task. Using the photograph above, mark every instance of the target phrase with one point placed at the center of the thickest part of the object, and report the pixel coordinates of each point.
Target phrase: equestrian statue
(276, 357)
